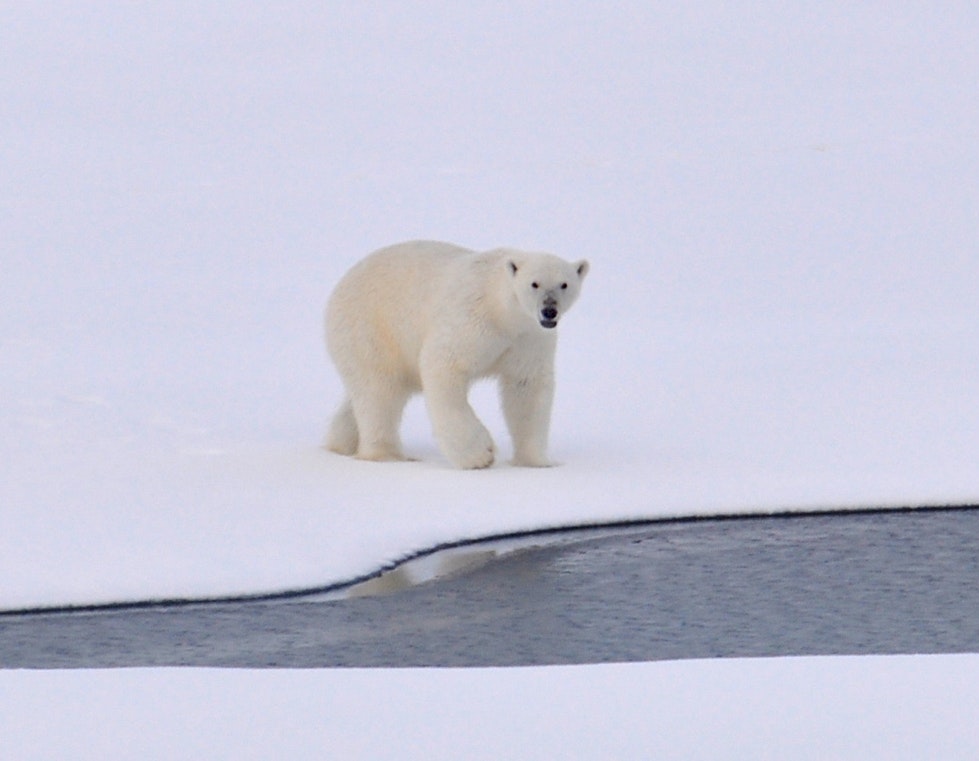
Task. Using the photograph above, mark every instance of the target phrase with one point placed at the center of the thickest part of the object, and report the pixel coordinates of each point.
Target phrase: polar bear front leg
(527, 410)
(464, 440)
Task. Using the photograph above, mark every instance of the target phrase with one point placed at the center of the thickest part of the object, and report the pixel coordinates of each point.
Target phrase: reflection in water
(421, 570)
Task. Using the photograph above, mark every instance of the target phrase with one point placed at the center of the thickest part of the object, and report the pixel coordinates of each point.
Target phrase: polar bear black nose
(548, 313)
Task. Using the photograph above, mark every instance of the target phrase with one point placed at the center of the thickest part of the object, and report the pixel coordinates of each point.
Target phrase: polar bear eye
(564, 286)
(535, 286)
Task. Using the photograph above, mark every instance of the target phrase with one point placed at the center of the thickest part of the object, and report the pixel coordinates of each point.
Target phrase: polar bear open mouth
(548, 323)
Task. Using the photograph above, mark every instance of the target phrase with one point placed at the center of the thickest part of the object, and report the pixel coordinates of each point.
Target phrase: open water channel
(897, 581)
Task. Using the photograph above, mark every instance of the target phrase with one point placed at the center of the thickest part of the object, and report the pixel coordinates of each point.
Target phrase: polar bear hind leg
(343, 437)
(377, 408)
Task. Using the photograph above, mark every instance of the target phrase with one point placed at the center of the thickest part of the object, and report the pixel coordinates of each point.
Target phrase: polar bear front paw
(525, 461)
(477, 452)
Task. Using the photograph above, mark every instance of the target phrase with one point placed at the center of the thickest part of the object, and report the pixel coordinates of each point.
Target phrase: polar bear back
(381, 310)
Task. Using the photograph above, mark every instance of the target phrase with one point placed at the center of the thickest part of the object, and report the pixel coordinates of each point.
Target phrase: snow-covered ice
(779, 204)
(902, 708)
(779, 207)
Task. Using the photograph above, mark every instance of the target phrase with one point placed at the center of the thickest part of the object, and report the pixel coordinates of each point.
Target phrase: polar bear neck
(502, 305)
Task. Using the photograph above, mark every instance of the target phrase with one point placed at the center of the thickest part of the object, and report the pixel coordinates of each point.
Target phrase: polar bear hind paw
(382, 455)
(343, 436)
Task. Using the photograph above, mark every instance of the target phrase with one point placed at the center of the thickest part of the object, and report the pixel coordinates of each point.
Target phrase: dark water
(894, 582)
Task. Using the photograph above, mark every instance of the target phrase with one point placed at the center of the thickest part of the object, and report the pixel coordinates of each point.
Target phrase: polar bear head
(545, 286)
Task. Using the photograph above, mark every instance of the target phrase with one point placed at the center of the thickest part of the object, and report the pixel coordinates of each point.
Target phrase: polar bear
(434, 317)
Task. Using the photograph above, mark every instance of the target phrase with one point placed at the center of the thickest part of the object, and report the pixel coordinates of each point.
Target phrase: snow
(841, 708)
(779, 206)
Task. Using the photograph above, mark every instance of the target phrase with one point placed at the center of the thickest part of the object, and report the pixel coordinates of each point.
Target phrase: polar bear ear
(512, 266)
(582, 268)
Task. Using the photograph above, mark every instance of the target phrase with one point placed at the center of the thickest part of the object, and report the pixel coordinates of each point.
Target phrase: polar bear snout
(548, 312)
(548, 317)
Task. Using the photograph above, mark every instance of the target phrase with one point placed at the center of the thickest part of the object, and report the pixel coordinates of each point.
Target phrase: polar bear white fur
(434, 317)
